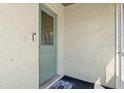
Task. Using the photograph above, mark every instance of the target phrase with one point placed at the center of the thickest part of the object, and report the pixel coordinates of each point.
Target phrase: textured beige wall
(19, 66)
(88, 49)
(18, 53)
(89, 42)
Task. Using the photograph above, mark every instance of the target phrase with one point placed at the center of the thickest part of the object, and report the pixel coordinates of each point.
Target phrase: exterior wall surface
(18, 53)
(89, 43)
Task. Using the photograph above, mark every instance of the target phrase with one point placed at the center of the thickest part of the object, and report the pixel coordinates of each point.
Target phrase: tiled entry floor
(67, 82)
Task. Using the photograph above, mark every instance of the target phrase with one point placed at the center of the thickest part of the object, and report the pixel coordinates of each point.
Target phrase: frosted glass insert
(46, 29)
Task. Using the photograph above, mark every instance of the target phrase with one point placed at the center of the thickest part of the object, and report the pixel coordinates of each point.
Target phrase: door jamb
(119, 28)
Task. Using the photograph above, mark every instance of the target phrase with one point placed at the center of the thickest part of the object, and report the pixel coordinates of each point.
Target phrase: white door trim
(119, 29)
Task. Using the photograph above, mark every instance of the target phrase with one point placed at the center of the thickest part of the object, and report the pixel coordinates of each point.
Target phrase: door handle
(121, 53)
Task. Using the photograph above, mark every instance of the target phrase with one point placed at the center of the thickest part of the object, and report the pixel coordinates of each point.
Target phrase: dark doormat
(67, 82)
(72, 83)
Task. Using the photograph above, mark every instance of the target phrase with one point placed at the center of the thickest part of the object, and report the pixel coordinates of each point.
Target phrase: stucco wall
(19, 66)
(88, 51)
(18, 53)
(89, 43)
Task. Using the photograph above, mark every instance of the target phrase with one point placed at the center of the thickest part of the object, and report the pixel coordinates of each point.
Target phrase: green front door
(47, 43)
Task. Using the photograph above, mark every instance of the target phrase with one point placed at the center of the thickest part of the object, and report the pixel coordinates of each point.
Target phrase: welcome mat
(62, 84)
(67, 82)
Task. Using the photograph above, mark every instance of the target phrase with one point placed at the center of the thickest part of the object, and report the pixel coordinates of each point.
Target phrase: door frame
(39, 11)
(119, 29)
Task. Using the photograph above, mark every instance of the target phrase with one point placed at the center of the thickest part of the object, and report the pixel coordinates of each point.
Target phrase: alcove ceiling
(67, 4)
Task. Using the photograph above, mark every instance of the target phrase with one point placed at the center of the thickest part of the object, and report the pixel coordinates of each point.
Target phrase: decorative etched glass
(46, 29)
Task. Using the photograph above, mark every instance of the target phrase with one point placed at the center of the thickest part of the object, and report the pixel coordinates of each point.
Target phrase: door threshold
(51, 82)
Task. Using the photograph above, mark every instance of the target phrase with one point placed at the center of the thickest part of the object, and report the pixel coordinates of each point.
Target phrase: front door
(47, 44)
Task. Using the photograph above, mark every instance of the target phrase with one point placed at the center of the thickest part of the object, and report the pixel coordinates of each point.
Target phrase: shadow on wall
(110, 75)
(89, 43)
(93, 61)
(101, 58)
(121, 82)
